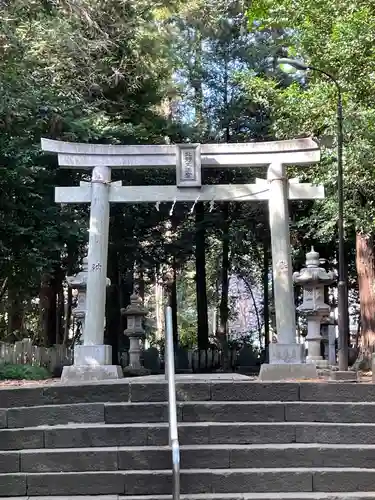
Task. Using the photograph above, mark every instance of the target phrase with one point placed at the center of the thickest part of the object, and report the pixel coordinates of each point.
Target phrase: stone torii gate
(92, 360)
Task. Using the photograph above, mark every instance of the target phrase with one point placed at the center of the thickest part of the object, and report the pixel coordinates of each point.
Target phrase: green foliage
(23, 372)
(87, 71)
(119, 72)
(337, 38)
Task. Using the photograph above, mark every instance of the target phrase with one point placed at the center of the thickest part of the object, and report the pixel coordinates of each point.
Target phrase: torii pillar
(286, 357)
(93, 359)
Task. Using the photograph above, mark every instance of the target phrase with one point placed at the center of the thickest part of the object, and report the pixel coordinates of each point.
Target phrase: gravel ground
(18, 383)
(365, 379)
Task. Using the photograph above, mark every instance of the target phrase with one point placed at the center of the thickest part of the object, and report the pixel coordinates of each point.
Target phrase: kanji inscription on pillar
(188, 165)
(187, 168)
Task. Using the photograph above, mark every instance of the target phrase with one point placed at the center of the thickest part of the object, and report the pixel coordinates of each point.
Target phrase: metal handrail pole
(172, 406)
(165, 351)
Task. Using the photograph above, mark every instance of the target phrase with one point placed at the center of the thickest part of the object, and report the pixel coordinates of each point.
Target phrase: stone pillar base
(286, 353)
(90, 373)
(287, 362)
(287, 371)
(92, 355)
(91, 362)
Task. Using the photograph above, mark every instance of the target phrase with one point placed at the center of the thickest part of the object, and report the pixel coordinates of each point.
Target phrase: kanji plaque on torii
(188, 159)
(189, 172)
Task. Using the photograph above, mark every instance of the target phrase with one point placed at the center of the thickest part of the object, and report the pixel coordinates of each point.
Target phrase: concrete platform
(147, 379)
(83, 373)
(220, 496)
(195, 377)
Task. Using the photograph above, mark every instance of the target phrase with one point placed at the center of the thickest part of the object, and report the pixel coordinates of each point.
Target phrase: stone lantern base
(91, 363)
(318, 361)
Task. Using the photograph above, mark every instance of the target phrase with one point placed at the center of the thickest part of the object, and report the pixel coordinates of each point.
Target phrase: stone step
(118, 413)
(188, 389)
(193, 481)
(97, 435)
(35, 416)
(151, 389)
(156, 434)
(247, 496)
(192, 457)
(202, 433)
(188, 411)
(242, 411)
(223, 496)
(121, 413)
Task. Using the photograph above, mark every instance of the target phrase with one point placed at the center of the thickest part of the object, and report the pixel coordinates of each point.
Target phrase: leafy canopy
(336, 37)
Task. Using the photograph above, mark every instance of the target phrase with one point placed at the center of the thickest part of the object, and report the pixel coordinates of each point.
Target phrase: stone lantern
(135, 314)
(313, 279)
(79, 282)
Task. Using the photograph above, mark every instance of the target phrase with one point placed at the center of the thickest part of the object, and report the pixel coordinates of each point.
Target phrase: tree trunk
(47, 310)
(225, 264)
(223, 307)
(173, 298)
(365, 262)
(3, 288)
(113, 308)
(256, 310)
(224, 310)
(200, 267)
(15, 314)
(52, 314)
(217, 296)
(58, 292)
(196, 76)
(60, 315)
(43, 308)
(141, 282)
(266, 310)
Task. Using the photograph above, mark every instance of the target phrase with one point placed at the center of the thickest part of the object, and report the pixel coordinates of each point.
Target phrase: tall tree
(68, 72)
(335, 37)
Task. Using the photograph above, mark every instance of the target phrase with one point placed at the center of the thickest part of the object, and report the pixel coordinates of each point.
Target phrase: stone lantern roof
(79, 280)
(135, 308)
(313, 273)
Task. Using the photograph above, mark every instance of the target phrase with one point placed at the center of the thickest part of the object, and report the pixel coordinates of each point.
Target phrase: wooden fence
(24, 352)
(210, 360)
(199, 361)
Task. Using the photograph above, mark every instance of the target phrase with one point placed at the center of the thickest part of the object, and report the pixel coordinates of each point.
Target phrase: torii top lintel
(85, 156)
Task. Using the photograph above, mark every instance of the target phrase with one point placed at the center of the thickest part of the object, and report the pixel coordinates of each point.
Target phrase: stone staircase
(239, 440)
